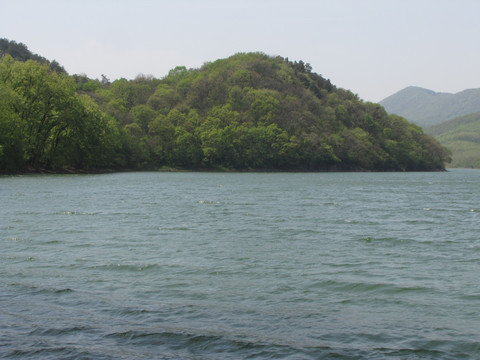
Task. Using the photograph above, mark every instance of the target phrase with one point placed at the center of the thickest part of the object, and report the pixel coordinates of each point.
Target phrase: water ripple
(236, 266)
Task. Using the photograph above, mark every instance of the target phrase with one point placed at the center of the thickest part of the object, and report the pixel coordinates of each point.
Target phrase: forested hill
(426, 108)
(462, 136)
(247, 112)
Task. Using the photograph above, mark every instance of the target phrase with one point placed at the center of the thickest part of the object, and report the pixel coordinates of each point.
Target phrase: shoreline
(73, 171)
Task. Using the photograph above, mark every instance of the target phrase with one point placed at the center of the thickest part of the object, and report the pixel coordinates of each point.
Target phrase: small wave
(436, 349)
(59, 331)
(383, 240)
(54, 291)
(35, 289)
(368, 287)
(173, 228)
(13, 238)
(36, 351)
(215, 345)
(52, 242)
(129, 311)
(409, 353)
(62, 291)
(209, 202)
(70, 213)
(472, 297)
(126, 267)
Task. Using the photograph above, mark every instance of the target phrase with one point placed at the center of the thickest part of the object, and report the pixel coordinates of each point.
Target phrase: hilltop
(462, 136)
(250, 111)
(20, 52)
(426, 108)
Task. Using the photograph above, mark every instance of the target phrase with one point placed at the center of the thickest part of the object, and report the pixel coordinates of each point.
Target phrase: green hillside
(247, 112)
(20, 52)
(462, 136)
(427, 108)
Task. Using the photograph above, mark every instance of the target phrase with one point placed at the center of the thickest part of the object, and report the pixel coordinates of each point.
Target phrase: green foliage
(85, 85)
(20, 52)
(46, 125)
(143, 115)
(248, 112)
(12, 140)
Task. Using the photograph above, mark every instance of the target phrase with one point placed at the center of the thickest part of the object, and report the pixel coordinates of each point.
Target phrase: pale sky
(372, 47)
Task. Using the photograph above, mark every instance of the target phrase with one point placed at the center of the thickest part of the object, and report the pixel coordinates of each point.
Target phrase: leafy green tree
(46, 107)
(86, 85)
(95, 141)
(161, 140)
(187, 150)
(138, 152)
(176, 118)
(50, 126)
(122, 91)
(12, 139)
(163, 99)
(143, 115)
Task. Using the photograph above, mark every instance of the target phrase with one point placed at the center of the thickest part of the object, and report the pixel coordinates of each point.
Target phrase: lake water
(240, 266)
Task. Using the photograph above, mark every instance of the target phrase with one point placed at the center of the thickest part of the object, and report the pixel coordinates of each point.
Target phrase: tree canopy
(45, 124)
(247, 112)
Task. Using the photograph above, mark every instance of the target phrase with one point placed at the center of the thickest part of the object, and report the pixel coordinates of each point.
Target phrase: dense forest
(247, 112)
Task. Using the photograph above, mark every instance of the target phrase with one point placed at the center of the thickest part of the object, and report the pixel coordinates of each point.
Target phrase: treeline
(247, 112)
(21, 52)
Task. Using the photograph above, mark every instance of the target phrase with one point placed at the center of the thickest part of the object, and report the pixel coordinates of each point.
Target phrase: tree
(50, 126)
(143, 115)
(46, 107)
(187, 151)
(12, 139)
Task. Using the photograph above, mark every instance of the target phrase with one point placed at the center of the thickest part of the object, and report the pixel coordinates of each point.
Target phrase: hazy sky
(371, 47)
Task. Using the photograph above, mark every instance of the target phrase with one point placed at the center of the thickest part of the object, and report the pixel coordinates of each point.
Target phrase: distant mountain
(462, 136)
(426, 108)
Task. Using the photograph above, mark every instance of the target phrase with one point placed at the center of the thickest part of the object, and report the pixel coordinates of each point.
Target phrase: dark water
(240, 266)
